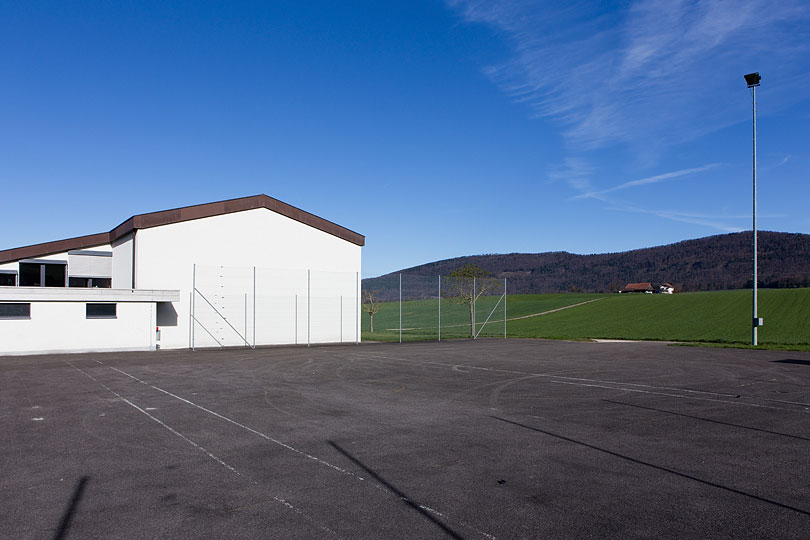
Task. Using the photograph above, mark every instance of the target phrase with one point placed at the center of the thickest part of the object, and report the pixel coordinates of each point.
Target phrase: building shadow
(67, 516)
(399, 493)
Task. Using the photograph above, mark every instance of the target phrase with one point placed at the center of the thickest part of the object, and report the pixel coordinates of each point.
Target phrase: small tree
(469, 288)
(371, 306)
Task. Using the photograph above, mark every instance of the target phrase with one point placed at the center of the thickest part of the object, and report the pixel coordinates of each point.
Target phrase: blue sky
(437, 129)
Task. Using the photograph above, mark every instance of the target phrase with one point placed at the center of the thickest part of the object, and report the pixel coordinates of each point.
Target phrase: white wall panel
(63, 327)
(262, 238)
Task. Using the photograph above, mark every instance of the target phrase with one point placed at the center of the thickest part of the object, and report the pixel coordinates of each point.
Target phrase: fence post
(190, 323)
(357, 311)
(296, 318)
(193, 303)
(247, 344)
(309, 303)
(400, 307)
(504, 308)
(473, 321)
(254, 307)
(440, 307)
(341, 318)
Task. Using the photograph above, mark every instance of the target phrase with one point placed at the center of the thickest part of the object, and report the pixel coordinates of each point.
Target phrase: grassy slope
(721, 316)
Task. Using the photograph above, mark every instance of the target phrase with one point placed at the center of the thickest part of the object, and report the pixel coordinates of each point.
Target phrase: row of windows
(49, 275)
(23, 311)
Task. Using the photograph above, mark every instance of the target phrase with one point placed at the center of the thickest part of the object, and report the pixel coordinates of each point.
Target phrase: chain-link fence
(402, 307)
(248, 306)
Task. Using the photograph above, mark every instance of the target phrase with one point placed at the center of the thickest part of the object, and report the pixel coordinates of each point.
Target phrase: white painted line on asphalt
(204, 450)
(579, 381)
(300, 452)
(234, 422)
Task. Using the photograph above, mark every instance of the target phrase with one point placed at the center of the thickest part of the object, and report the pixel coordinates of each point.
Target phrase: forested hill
(711, 263)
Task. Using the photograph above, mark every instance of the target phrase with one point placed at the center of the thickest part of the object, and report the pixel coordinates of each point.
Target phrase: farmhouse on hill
(638, 288)
(241, 272)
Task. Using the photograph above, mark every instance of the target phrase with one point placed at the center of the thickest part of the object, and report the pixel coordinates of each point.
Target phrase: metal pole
(190, 323)
(296, 319)
(341, 318)
(440, 307)
(247, 344)
(193, 303)
(400, 308)
(357, 311)
(309, 304)
(504, 308)
(473, 321)
(755, 321)
(254, 307)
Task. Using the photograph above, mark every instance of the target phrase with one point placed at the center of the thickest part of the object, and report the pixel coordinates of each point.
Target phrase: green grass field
(721, 317)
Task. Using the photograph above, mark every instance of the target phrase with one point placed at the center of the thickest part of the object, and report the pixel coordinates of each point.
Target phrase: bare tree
(371, 306)
(468, 286)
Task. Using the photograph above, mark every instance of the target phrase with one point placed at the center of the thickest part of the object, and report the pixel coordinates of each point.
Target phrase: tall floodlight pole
(752, 80)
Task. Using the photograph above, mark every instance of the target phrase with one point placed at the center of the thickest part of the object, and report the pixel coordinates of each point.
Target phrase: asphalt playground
(493, 439)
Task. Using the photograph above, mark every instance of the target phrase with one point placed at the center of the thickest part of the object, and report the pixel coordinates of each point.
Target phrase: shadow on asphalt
(793, 361)
(403, 497)
(657, 467)
(708, 420)
(70, 511)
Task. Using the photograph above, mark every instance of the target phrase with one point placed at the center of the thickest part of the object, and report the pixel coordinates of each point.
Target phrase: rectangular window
(15, 311)
(90, 282)
(30, 275)
(55, 275)
(8, 279)
(101, 311)
(39, 273)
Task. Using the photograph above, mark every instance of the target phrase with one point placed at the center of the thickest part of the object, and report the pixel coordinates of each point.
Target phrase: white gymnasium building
(243, 272)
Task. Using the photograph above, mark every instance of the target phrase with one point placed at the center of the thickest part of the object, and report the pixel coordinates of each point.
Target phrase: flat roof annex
(177, 215)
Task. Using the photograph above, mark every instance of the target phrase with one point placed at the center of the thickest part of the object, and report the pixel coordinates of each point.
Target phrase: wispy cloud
(644, 181)
(576, 172)
(652, 70)
(720, 221)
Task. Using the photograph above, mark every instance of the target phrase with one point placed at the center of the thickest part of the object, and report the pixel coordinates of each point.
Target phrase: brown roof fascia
(177, 215)
(57, 246)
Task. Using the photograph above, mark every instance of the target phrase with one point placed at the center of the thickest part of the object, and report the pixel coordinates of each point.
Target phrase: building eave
(178, 215)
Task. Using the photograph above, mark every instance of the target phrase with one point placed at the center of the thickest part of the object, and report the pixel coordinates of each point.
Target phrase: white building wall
(122, 262)
(63, 327)
(259, 238)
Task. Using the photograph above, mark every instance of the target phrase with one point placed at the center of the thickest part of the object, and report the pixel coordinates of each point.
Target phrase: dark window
(30, 275)
(8, 279)
(101, 311)
(94, 282)
(15, 311)
(55, 275)
(37, 274)
(79, 282)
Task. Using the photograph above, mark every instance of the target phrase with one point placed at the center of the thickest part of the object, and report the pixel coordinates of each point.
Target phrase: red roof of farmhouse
(647, 286)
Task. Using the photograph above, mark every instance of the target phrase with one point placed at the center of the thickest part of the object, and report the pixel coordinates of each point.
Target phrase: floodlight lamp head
(752, 79)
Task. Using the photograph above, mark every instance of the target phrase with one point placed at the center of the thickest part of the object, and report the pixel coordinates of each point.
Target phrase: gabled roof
(647, 286)
(177, 215)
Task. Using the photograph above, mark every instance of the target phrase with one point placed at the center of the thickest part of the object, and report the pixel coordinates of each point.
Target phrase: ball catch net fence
(402, 307)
